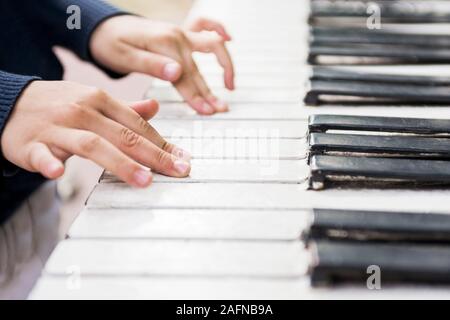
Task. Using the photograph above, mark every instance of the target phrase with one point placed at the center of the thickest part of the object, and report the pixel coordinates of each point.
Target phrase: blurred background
(82, 175)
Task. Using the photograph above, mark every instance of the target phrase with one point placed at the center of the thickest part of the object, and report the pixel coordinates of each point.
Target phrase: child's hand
(131, 44)
(54, 120)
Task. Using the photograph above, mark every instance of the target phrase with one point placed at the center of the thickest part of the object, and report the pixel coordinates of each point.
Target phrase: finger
(132, 120)
(141, 149)
(153, 64)
(204, 24)
(218, 105)
(209, 43)
(194, 89)
(91, 146)
(43, 161)
(147, 109)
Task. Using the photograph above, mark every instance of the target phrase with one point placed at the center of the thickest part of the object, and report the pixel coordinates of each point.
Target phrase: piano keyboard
(237, 227)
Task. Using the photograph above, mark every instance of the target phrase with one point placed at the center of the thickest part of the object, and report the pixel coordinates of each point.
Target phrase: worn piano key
(381, 146)
(236, 171)
(324, 123)
(382, 226)
(341, 170)
(261, 196)
(172, 258)
(216, 224)
(390, 11)
(376, 54)
(180, 128)
(337, 262)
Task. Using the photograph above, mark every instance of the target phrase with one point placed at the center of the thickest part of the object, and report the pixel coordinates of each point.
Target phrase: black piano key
(320, 91)
(338, 262)
(334, 73)
(327, 36)
(381, 146)
(351, 225)
(376, 172)
(381, 53)
(390, 11)
(324, 123)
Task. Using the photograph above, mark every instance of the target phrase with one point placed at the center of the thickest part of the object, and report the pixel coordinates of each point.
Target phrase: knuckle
(79, 112)
(164, 159)
(89, 143)
(143, 125)
(129, 138)
(97, 95)
(176, 34)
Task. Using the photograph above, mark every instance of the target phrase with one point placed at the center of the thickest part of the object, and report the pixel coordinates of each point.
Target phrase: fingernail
(221, 105)
(182, 167)
(171, 71)
(142, 178)
(206, 108)
(181, 154)
(53, 168)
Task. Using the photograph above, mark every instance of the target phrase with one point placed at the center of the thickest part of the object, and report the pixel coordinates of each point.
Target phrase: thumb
(42, 160)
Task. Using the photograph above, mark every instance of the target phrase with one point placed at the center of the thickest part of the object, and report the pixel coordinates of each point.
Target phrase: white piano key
(179, 258)
(190, 224)
(178, 288)
(245, 95)
(238, 111)
(292, 111)
(280, 69)
(220, 289)
(237, 171)
(199, 196)
(264, 197)
(267, 146)
(294, 129)
(216, 81)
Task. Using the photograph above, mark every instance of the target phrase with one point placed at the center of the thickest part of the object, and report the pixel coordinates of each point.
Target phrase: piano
(259, 218)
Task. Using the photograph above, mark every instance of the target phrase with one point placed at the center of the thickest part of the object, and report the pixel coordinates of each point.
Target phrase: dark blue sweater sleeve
(53, 14)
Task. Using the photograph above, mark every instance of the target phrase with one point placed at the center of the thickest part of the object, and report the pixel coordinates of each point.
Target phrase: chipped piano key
(350, 171)
(379, 226)
(340, 262)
